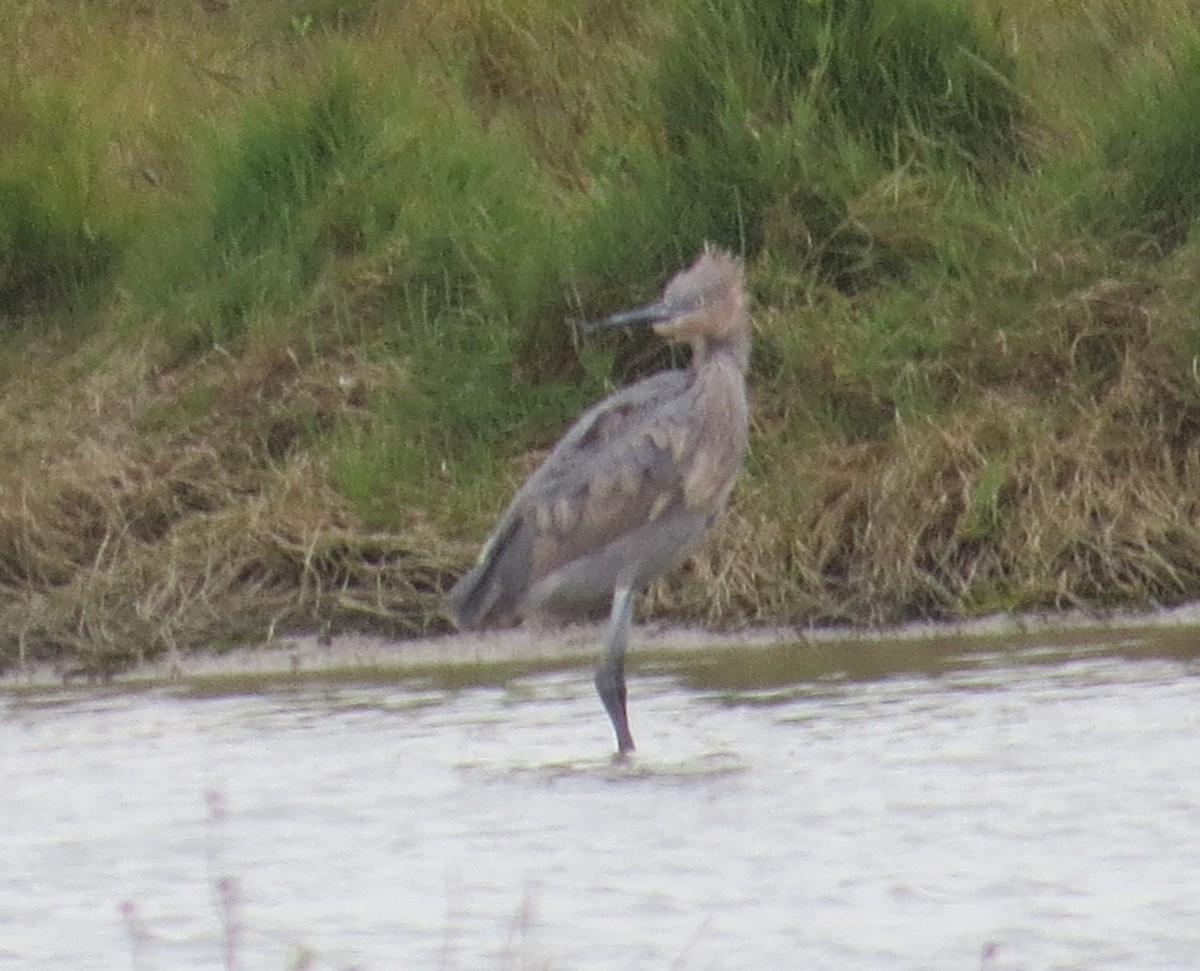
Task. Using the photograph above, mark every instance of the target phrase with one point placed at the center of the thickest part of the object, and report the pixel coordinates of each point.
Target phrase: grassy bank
(286, 293)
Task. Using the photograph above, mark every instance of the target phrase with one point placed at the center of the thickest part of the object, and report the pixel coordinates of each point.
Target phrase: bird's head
(704, 305)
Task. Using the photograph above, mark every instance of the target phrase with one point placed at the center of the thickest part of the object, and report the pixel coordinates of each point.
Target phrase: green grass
(339, 249)
(59, 235)
(1151, 154)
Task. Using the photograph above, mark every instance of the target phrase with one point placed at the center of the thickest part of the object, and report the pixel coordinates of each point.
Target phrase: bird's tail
(466, 603)
(481, 597)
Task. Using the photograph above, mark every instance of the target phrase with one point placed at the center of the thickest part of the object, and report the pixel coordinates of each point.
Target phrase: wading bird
(634, 485)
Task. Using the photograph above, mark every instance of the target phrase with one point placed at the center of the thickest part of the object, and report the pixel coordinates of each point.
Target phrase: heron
(634, 485)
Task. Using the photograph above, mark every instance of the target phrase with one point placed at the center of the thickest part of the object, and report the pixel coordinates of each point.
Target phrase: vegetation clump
(287, 296)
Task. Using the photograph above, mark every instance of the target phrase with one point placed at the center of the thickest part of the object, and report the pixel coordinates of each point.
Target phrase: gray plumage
(632, 487)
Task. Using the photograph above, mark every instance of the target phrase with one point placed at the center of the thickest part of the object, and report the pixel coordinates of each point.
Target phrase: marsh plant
(288, 296)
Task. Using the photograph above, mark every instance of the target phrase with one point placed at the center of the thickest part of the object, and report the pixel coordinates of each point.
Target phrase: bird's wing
(621, 465)
(605, 430)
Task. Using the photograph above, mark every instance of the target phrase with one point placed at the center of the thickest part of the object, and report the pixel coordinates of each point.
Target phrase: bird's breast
(719, 442)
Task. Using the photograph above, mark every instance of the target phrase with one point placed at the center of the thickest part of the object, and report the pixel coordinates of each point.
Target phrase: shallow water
(1026, 804)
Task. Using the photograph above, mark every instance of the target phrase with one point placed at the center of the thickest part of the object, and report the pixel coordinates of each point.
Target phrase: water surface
(1032, 803)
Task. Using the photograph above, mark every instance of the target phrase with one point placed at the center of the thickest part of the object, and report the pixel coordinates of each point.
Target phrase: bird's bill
(649, 314)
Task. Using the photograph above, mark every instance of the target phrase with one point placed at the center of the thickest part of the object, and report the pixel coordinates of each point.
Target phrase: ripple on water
(1038, 808)
(703, 767)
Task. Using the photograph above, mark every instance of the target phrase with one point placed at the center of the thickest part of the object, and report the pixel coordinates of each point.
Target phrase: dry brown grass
(1074, 482)
(999, 410)
(1000, 509)
(182, 508)
(279, 560)
(118, 543)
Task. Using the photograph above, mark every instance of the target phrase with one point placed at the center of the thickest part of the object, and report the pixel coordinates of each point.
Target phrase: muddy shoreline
(356, 657)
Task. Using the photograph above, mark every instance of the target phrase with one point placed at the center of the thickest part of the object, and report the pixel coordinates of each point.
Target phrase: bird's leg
(610, 676)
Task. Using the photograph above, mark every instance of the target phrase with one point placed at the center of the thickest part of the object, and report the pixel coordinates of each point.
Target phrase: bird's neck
(717, 426)
(708, 350)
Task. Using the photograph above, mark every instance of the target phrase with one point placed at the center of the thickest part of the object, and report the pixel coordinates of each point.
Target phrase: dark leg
(610, 676)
